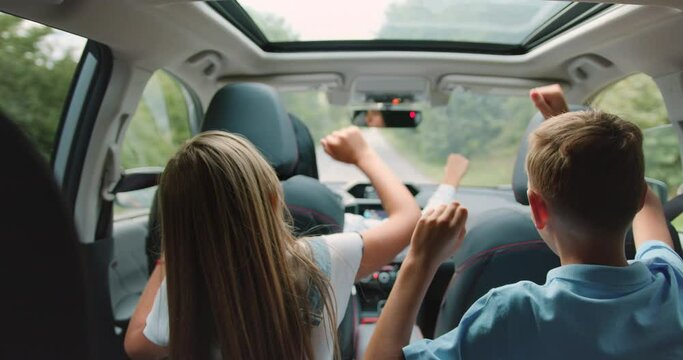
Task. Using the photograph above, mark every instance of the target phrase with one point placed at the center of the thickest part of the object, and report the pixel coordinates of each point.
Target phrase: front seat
(41, 269)
(502, 248)
(255, 111)
(306, 164)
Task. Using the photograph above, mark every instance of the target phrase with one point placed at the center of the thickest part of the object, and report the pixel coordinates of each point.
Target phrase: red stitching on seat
(470, 261)
(305, 210)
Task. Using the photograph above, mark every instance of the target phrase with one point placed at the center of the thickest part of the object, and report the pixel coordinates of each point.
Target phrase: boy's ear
(539, 209)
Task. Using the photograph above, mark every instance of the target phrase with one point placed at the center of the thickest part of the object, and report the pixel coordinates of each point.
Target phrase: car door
(53, 87)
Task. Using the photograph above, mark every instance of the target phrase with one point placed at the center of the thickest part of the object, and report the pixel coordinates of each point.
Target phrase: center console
(373, 291)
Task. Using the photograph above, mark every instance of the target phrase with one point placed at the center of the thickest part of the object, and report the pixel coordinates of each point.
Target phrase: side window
(38, 64)
(165, 117)
(638, 99)
(161, 123)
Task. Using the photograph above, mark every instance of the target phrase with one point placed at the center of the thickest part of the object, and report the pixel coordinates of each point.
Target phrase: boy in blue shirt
(585, 188)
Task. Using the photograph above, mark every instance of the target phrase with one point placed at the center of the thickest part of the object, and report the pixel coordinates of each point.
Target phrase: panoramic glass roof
(496, 25)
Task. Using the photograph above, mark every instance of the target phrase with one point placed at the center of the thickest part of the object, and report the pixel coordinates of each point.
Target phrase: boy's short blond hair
(588, 166)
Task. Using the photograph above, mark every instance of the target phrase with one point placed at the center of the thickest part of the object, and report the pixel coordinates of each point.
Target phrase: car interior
(130, 81)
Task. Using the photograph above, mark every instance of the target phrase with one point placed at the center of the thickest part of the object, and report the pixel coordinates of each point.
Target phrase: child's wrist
(423, 265)
(366, 157)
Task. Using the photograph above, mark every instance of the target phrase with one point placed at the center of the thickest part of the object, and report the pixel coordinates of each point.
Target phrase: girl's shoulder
(328, 249)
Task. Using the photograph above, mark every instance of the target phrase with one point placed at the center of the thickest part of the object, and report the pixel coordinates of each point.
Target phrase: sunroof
(506, 26)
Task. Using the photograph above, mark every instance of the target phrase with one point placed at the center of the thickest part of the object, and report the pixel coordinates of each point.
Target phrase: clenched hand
(346, 145)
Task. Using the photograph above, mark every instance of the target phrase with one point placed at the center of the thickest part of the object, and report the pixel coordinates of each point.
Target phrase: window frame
(647, 132)
(83, 103)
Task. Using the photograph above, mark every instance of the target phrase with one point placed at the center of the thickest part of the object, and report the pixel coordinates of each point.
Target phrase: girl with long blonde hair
(235, 283)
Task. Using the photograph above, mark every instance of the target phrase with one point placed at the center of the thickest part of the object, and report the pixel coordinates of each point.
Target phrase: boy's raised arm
(439, 233)
(549, 100)
(650, 222)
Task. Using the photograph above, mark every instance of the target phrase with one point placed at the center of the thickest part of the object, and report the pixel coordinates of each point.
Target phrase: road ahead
(332, 170)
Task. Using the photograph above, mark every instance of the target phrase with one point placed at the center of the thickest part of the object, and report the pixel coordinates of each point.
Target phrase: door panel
(128, 267)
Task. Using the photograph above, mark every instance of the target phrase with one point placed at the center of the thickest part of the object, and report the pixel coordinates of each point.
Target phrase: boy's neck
(598, 251)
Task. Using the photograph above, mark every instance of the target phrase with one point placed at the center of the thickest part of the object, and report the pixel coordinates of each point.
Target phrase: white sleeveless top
(338, 255)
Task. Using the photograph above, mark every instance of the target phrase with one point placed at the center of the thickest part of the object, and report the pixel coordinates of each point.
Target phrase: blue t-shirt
(581, 312)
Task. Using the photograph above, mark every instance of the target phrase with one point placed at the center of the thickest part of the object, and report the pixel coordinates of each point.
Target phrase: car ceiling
(188, 37)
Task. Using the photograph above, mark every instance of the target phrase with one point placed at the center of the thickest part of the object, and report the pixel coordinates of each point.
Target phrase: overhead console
(399, 91)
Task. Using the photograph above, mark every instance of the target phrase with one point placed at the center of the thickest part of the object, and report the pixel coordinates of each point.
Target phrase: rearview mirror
(387, 118)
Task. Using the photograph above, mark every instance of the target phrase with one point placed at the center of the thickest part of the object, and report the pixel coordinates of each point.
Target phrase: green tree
(159, 126)
(314, 110)
(461, 20)
(486, 129)
(274, 27)
(638, 99)
(35, 82)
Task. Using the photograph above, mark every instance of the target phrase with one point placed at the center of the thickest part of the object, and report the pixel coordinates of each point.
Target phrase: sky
(363, 19)
(59, 42)
(360, 19)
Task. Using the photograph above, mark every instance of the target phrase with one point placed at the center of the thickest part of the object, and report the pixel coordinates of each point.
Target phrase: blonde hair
(236, 277)
(589, 167)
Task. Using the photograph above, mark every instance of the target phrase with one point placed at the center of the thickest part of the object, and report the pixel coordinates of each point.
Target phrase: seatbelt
(673, 208)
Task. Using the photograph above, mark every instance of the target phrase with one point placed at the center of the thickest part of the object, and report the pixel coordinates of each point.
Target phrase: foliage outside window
(159, 126)
(638, 99)
(487, 129)
(38, 64)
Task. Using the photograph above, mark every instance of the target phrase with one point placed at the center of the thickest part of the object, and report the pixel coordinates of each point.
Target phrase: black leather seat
(315, 209)
(248, 109)
(307, 163)
(41, 269)
(255, 112)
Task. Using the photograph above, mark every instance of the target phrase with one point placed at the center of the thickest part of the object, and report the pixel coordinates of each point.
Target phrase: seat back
(315, 209)
(307, 164)
(503, 249)
(255, 112)
(41, 269)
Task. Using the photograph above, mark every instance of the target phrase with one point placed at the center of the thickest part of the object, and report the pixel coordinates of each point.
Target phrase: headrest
(307, 164)
(519, 175)
(35, 224)
(255, 112)
(315, 209)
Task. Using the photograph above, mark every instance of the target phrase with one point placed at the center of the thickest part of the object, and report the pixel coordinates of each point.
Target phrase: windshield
(485, 128)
